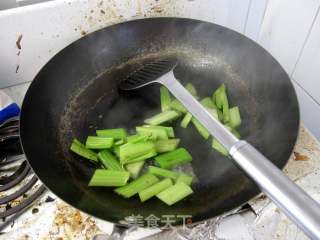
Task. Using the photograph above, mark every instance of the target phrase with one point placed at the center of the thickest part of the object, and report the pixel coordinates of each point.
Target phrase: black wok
(76, 92)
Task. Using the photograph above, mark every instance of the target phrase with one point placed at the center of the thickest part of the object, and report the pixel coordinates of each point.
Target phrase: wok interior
(78, 101)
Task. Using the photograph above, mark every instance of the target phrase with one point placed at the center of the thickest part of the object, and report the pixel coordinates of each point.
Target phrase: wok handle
(295, 203)
(289, 197)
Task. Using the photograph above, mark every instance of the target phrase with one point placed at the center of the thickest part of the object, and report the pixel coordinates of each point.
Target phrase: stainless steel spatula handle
(294, 202)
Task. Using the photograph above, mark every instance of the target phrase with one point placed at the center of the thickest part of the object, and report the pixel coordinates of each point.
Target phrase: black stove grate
(17, 181)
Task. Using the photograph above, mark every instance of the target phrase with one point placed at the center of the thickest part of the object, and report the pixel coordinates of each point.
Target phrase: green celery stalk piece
(116, 151)
(94, 142)
(78, 148)
(132, 152)
(152, 133)
(119, 142)
(115, 133)
(175, 193)
(155, 189)
(163, 172)
(142, 157)
(200, 128)
(76, 141)
(165, 99)
(222, 102)
(190, 87)
(217, 97)
(228, 127)
(162, 117)
(109, 161)
(226, 114)
(137, 138)
(169, 130)
(220, 115)
(187, 179)
(186, 120)
(166, 145)
(235, 118)
(219, 147)
(236, 133)
(134, 168)
(208, 103)
(177, 105)
(108, 178)
(213, 112)
(171, 159)
(137, 185)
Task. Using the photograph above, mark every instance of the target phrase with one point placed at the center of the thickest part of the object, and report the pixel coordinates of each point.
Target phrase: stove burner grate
(19, 187)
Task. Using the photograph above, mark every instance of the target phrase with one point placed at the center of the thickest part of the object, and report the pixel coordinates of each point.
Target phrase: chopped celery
(134, 168)
(76, 141)
(169, 130)
(162, 117)
(109, 178)
(164, 99)
(163, 172)
(109, 161)
(152, 133)
(115, 133)
(173, 158)
(119, 142)
(94, 142)
(228, 127)
(78, 148)
(207, 102)
(191, 89)
(166, 145)
(222, 102)
(175, 193)
(116, 150)
(155, 189)
(235, 119)
(142, 157)
(213, 112)
(186, 120)
(217, 96)
(226, 114)
(201, 129)
(137, 138)
(187, 179)
(177, 105)
(137, 185)
(236, 133)
(133, 152)
(220, 115)
(219, 147)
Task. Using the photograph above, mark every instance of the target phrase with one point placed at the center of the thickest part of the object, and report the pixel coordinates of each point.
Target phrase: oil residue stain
(105, 13)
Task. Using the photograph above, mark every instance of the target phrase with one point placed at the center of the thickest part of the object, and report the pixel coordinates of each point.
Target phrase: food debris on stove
(49, 199)
(35, 210)
(300, 157)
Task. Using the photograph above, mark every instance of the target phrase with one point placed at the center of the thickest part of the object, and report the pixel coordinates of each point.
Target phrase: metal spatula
(294, 202)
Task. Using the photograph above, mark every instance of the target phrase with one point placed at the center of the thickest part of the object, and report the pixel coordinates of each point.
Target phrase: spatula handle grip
(289, 197)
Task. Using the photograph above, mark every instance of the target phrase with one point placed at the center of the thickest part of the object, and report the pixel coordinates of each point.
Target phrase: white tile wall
(307, 71)
(285, 29)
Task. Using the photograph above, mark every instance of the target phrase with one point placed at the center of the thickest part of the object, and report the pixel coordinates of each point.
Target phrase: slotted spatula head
(149, 73)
